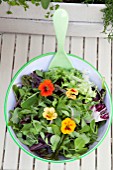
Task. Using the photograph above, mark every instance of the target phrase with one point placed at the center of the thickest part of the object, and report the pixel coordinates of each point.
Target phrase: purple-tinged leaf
(105, 116)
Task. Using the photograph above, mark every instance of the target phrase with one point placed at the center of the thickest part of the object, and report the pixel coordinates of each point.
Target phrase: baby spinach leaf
(79, 143)
(54, 141)
(66, 113)
(86, 128)
(58, 121)
(56, 129)
(81, 151)
(85, 138)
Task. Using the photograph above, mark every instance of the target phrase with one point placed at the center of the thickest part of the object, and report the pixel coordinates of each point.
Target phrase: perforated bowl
(41, 63)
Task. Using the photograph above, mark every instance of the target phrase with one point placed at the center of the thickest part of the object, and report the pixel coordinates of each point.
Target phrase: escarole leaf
(45, 3)
(30, 101)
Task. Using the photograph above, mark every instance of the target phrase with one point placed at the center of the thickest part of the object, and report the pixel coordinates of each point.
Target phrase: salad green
(53, 112)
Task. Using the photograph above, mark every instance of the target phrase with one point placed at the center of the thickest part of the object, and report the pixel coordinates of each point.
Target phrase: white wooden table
(15, 50)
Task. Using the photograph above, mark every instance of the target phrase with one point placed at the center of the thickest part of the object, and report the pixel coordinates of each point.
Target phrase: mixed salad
(55, 112)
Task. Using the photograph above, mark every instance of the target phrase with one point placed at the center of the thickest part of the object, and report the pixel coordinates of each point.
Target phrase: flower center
(67, 127)
(46, 88)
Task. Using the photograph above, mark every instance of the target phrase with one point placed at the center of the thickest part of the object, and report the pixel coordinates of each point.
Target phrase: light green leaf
(54, 141)
(83, 123)
(56, 129)
(39, 73)
(16, 92)
(15, 117)
(30, 101)
(86, 128)
(42, 135)
(66, 113)
(85, 138)
(93, 127)
(79, 143)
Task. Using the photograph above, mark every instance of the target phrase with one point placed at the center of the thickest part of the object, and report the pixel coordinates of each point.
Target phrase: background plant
(107, 11)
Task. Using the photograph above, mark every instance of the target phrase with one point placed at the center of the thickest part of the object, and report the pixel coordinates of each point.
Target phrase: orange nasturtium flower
(68, 126)
(71, 93)
(46, 88)
(49, 113)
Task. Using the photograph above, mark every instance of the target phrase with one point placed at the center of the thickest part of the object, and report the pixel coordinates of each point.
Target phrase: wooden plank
(11, 149)
(35, 46)
(77, 12)
(76, 48)
(40, 165)
(90, 54)
(56, 166)
(46, 27)
(35, 43)
(73, 165)
(103, 161)
(25, 162)
(5, 76)
(48, 45)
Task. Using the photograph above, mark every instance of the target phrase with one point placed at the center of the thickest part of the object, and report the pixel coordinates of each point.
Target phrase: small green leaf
(79, 143)
(22, 92)
(39, 73)
(56, 129)
(58, 121)
(9, 12)
(93, 127)
(49, 129)
(86, 128)
(45, 3)
(51, 8)
(15, 118)
(54, 141)
(66, 113)
(16, 92)
(82, 151)
(42, 135)
(77, 119)
(85, 138)
(57, 6)
(30, 101)
(83, 123)
(25, 111)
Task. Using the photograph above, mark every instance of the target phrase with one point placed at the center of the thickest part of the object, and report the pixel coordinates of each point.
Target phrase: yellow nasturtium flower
(71, 93)
(68, 125)
(49, 113)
